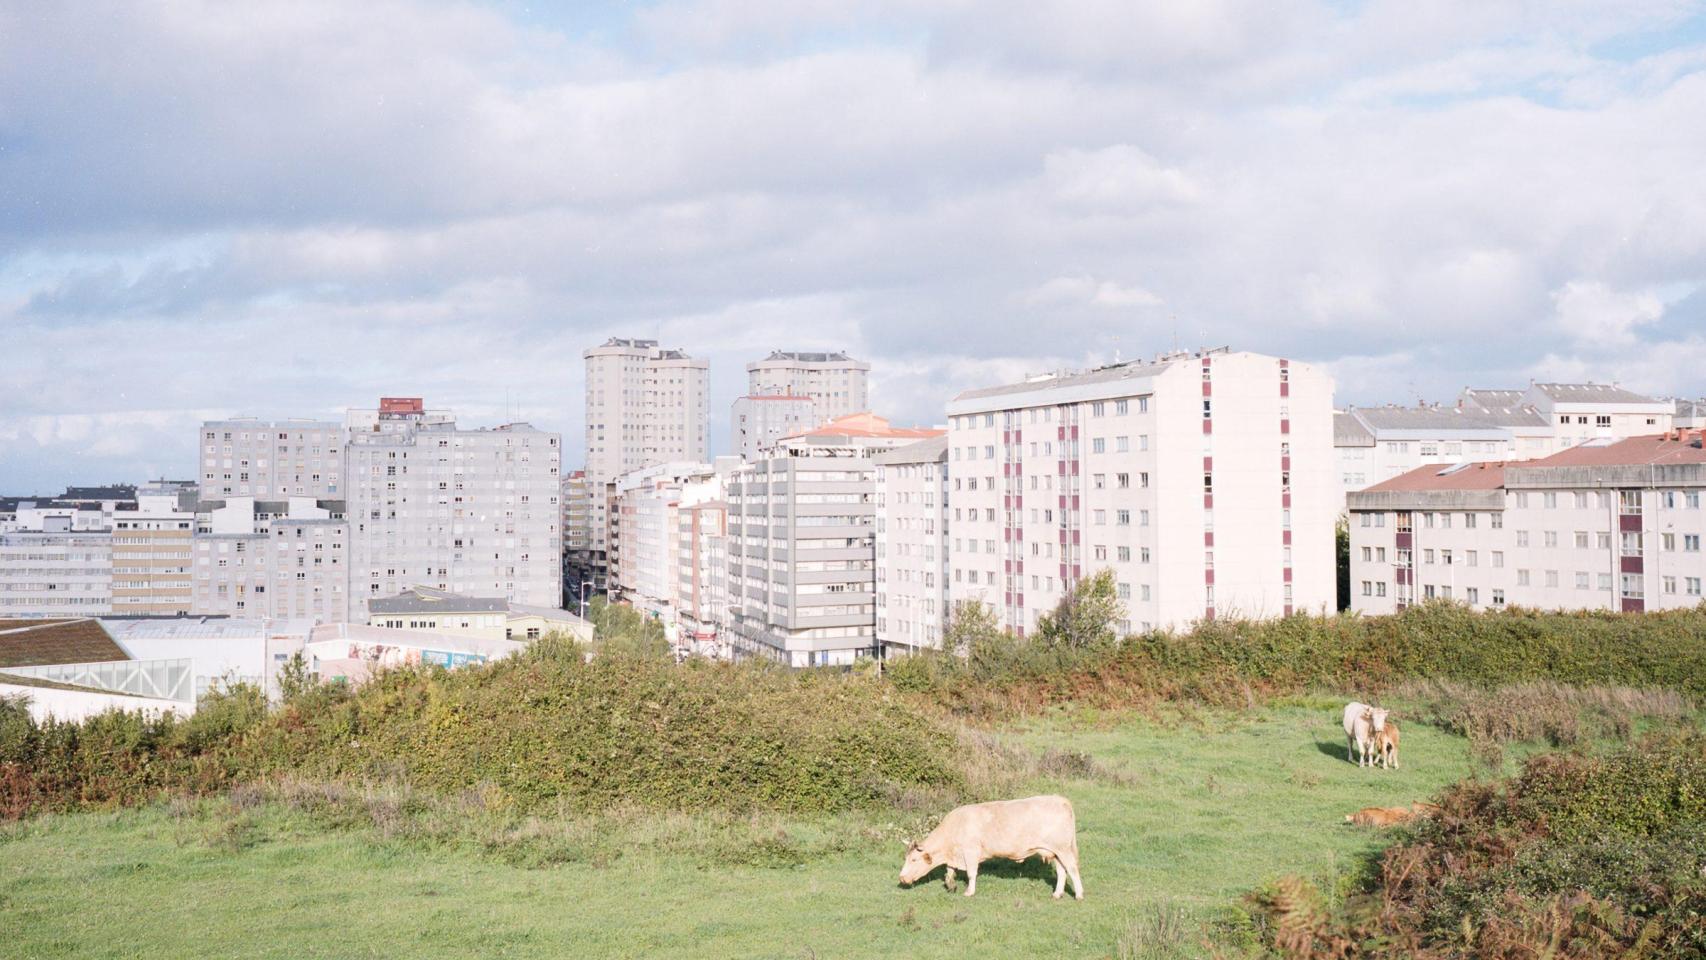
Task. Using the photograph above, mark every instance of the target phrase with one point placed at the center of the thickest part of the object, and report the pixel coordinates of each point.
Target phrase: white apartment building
(475, 512)
(269, 558)
(802, 545)
(648, 501)
(701, 593)
(152, 554)
(912, 546)
(1608, 525)
(834, 382)
(758, 422)
(271, 459)
(645, 405)
(55, 561)
(1204, 481)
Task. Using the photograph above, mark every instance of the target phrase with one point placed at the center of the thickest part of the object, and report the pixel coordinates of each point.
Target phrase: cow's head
(918, 863)
(1378, 717)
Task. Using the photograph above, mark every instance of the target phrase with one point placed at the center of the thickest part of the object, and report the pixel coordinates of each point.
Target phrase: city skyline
(1415, 201)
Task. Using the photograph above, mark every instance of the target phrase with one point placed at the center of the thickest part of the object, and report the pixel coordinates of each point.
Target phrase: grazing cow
(1386, 744)
(1379, 816)
(1011, 829)
(1362, 722)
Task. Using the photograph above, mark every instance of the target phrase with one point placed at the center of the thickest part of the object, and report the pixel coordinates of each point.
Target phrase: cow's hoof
(1057, 896)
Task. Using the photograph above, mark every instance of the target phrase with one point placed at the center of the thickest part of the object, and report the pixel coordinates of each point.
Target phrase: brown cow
(1011, 829)
(1379, 816)
(1386, 745)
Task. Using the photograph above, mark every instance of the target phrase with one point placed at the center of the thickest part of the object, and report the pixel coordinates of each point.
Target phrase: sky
(214, 209)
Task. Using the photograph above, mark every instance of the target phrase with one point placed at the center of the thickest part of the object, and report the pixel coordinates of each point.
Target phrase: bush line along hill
(1579, 857)
(552, 729)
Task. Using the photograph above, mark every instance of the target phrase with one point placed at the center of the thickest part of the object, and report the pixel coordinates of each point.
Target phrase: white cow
(1010, 829)
(1362, 723)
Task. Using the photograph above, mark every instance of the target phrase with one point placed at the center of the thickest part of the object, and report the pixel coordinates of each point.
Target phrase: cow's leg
(1350, 748)
(948, 878)
(1059, 876)
(1071, 860)
(971, 872)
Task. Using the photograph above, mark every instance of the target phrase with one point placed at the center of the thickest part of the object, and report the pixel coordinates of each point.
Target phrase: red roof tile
(1447, 476)
(1664, 448)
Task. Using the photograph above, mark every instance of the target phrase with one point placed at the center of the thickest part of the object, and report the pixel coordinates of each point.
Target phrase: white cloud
(429, 197)
(1596, 315)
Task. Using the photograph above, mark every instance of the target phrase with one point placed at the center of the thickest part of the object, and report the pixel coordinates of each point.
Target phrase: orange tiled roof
(865, 424)
(1679, 446)
(1447, 476)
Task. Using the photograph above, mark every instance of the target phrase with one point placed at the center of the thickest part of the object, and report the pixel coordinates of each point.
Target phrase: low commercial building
(1609, 525)
(352, 652)
(490, 618)
(912, 546)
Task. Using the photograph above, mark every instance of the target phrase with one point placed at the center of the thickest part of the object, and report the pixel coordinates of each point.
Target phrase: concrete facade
(1204, 481)
(756, 423)
(272, 559)
(271, 459)
(645, 405)
(153, 556)
(468, 511)
(912, 546)
(834, 382)
(802, 545)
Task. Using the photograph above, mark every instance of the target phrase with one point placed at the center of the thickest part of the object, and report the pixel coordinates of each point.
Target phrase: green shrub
(1579, 856)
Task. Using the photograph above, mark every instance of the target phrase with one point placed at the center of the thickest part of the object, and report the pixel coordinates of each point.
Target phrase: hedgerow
(1230, 660)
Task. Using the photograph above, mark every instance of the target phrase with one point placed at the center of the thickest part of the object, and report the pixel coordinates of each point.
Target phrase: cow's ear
(927, 857)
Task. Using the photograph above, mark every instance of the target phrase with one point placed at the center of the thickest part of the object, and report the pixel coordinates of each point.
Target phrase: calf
(1011, 829)
(1386, 744)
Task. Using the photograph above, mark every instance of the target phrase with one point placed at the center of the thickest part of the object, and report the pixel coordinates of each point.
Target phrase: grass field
(1196, 812)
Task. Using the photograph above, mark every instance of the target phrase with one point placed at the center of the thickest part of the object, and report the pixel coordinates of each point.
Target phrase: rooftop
(1429, 417)
(126, 630)
(1348, 431)
(427, 600)
(1122, 371)
(1678, 446)
(863, 425)
(933, 450)
(1446, 476)
(29, 643)
(1590, 393)
(804, 356)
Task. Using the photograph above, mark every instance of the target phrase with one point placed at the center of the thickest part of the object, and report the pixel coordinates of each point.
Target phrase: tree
(619, 628)
(1086, 616)
(1342, 537)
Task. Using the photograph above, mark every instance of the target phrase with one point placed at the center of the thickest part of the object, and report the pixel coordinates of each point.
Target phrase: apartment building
(912, 546)
(1688, 414)
(758, 422)
(1608, 524)
(648, 501)
(577, 533)
(470, 511)
(56, 560)
(802, 544)
(272, 558)
(152, 553)
(701, 593)
(1204, 481)
(271, 459)
(1373, 444)
(645, 405)
(834, 382)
